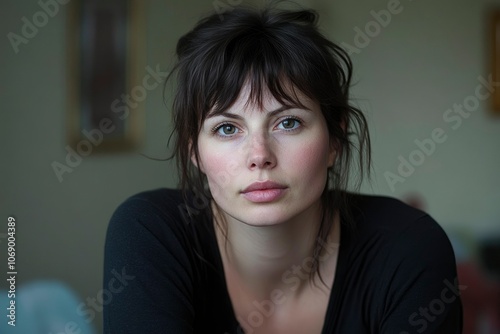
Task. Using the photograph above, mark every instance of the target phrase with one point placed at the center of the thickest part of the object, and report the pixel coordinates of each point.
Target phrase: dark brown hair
(269, 48)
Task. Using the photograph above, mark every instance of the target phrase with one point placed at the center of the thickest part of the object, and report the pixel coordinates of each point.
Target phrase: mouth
(264, 192)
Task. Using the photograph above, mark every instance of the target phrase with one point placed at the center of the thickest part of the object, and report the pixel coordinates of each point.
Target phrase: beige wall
(423, 62)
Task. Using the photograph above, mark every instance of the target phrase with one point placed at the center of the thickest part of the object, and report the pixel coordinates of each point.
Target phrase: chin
(263, 216)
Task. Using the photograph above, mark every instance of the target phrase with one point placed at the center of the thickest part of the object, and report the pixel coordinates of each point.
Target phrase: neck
(265, 258)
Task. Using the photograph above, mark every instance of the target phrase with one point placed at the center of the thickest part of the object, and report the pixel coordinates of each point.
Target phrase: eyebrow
(270, 114)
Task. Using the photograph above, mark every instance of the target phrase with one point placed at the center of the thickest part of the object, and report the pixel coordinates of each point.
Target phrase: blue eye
(225, 130)
(289, 124)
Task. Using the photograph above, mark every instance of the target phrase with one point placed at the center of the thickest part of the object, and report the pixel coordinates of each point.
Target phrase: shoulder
(391, 217)
(159, 204)
(149, 245)
(391, 231)
(383, 207)
(162, 199)
(407, 262)
(148, 207)
(148, 222)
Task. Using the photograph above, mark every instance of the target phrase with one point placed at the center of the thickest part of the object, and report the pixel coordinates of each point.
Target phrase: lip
(264, 192)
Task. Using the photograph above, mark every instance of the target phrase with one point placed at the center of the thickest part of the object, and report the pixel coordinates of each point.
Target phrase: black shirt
(163, 272)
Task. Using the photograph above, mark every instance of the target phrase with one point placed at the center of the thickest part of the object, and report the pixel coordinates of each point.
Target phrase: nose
(260, 153)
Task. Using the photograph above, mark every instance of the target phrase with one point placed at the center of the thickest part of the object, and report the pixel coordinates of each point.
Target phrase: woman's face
(266, 166)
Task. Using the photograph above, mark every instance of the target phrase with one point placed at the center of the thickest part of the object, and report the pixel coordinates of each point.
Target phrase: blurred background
(421, 77)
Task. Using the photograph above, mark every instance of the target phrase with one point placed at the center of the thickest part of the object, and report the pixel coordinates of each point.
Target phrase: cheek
(219, 167)
(310, 158)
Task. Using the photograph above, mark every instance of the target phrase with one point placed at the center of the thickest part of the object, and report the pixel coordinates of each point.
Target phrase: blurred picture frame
(105, 56)
(495, 57)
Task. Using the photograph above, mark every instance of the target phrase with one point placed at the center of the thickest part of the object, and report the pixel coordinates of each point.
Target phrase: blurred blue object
(461, 252)
(44, 308)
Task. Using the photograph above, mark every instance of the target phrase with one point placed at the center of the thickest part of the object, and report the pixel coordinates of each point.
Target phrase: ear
(335, 147)
(332, 153)
(193, 157)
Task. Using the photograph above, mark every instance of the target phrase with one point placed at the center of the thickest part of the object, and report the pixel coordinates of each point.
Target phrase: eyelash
(215, 129)
(293, 118)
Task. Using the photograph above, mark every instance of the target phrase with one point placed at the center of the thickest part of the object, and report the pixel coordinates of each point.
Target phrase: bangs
(270, 58)
(264, 70)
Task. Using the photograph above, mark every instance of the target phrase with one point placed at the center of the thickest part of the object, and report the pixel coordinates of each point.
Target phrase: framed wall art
(495, 58)
(105, 62)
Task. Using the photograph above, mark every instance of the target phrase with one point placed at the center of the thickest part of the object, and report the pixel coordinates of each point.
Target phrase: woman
(264, 236)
